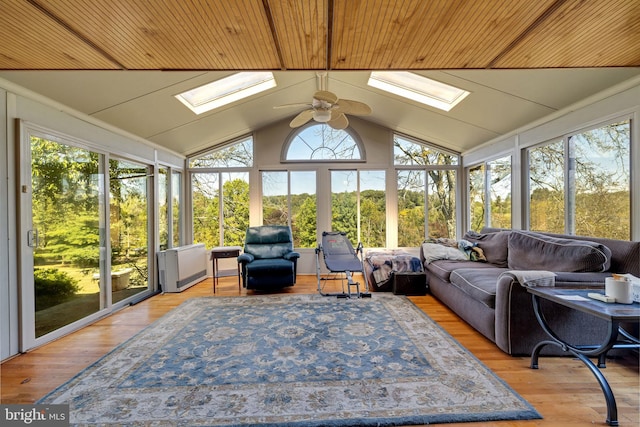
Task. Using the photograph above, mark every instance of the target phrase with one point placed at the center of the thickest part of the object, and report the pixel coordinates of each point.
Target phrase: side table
(223, 252)
(614, 314)
(409, 283)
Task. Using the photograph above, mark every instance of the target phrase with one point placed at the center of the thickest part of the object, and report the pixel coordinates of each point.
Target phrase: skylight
(418, 88)
(227, 90)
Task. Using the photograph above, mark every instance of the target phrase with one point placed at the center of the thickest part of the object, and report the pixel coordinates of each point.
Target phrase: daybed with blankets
(382, 267)
(482, 278)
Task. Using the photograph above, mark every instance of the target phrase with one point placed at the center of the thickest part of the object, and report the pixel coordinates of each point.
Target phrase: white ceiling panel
(143, 103)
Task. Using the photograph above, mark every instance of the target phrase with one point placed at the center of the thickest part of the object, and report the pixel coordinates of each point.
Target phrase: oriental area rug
(290, 360)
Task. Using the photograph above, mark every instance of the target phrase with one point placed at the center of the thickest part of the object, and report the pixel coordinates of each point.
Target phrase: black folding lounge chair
(341, 260)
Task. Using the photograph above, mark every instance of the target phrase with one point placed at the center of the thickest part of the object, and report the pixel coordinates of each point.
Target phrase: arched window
(319, 142)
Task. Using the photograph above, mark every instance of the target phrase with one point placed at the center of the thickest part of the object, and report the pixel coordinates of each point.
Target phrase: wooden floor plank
(563, 390)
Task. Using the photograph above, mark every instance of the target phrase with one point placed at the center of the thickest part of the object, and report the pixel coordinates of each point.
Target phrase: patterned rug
(290, 360)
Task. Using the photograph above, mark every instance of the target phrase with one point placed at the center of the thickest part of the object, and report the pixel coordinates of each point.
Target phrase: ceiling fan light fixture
(322, 116)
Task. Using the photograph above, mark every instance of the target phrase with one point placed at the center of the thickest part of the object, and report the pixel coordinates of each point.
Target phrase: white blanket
(532, 278)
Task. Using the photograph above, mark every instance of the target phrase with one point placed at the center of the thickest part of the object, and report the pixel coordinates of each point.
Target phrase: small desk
(614, 314)
(223, 252)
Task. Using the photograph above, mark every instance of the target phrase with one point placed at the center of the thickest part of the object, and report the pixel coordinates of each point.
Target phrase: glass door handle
(32, 238)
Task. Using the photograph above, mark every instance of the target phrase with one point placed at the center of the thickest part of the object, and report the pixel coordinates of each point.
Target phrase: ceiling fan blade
(301, 118)
(299, 104)
(325, 95)
(357, 108)
(340, 122)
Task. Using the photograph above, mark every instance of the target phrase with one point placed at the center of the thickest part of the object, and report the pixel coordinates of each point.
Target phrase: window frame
(487, 189)
(569, 210)
(219, 171)
(426, 169)
(291, 138)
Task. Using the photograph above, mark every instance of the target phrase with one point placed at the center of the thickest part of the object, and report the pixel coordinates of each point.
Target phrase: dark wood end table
(223, 252)
(617, 337)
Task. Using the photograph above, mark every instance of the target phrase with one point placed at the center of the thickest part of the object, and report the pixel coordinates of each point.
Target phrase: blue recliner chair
(268, 261)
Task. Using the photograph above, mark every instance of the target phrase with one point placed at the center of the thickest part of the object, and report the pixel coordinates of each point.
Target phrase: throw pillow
(434, 251)
(533, 251)
(494, 245)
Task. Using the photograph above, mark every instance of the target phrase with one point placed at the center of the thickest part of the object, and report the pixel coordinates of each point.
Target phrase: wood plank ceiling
(317, 34)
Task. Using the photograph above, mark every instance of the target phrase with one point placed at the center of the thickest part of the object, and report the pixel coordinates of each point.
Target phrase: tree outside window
(220, 194)
(490, 194)
(581, 184)
(289, 198)
(426, 191)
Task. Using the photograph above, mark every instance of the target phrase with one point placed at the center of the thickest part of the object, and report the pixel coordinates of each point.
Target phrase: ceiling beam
(531, 28)
(276, 40)
(76, 34)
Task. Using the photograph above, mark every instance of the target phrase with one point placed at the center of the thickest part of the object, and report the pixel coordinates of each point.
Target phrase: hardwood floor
(563, 390)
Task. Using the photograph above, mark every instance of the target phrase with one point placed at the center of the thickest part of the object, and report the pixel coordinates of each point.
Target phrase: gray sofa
(491, 299)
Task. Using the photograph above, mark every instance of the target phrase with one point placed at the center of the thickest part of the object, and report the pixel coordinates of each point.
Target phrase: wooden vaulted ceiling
(317, 34)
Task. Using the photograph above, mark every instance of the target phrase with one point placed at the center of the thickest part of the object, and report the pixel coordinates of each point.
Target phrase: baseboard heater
(182, 267)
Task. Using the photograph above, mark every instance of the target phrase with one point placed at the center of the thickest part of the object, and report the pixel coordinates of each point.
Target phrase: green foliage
(236, 211)
(344, 214)
(373, 218)
(206, 214)
(303, 225)
(53, 287)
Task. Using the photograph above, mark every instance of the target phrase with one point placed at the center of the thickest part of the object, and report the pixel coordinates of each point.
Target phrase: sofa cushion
(534, 251)
(270, 267)
(480, 284)
(443, 268)
(494, 245)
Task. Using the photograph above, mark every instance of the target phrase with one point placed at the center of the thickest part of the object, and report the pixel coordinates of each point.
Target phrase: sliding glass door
(85, 228)
(63, 237)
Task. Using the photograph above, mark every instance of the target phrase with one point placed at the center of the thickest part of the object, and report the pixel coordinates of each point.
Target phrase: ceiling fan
(326, 107)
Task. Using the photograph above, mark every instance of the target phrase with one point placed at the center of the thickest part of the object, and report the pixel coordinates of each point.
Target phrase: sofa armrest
(517, 330)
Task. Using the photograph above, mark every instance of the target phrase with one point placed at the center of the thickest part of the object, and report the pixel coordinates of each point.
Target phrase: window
(176, 202)
(581, 184)
(410, 152)
(477, 197)
(426, 178)
(225, 91)
(163, 207)
(220, 194)
(358, 205)
(169, 185)
(289, 198)
(129, 216)
(318, 142)
(411, 207)
(238, 154)
(220, 208)
(499, 179)
(492, 209)
(418, 88)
